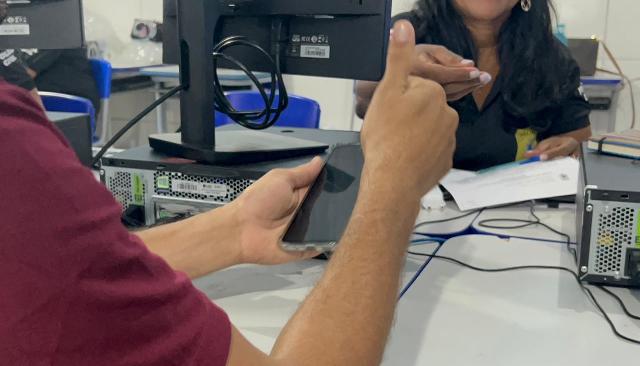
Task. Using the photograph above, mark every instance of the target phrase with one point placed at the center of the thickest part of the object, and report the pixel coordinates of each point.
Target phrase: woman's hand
(458, 77)
(554, 147)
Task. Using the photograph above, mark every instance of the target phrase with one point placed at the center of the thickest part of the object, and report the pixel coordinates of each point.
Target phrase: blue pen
(534, 159)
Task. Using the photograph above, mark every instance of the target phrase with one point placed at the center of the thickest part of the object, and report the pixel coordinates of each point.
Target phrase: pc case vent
(615, 233)
(235, 187)
(121, 186)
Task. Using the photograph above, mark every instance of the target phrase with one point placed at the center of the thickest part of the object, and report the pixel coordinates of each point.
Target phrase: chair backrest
(302, 112)
(58, 102)
(102, 72)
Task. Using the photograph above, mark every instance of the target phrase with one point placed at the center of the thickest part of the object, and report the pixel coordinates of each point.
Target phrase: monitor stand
(237, 147)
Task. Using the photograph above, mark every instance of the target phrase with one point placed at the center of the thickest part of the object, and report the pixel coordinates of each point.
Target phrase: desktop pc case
(154, 188)
(608, 220)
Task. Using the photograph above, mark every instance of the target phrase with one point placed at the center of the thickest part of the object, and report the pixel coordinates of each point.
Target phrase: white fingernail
(485, 78)
(467, 62)
(474, 74)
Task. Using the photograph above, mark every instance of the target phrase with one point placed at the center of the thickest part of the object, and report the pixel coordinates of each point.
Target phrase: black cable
(132, 123)
(248, 119)
(522, 268)
(526, 223)
(419, 225)
(620, 302)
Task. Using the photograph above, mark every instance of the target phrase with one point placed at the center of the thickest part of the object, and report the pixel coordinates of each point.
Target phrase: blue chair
(58, 102)
(301, 112)
(103, 72)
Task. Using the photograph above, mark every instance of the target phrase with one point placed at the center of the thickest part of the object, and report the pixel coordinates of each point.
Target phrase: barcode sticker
(15, 30)
(205, 189)
(309, 51)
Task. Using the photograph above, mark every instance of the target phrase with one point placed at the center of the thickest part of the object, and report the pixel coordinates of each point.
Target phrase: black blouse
(488, 137)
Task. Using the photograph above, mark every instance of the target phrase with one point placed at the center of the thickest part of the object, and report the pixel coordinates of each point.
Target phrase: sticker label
(310, 51)
(138, 190)
(15, 26)
(309, 46)
(205, 189)
(638, 228)
(163, 182)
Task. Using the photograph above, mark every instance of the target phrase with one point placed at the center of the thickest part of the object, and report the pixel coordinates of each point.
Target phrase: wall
(616, 23)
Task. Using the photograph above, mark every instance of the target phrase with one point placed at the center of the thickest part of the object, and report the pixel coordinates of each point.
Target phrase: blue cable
(422, 267)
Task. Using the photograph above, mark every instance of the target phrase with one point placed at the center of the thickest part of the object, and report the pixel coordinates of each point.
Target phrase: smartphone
(325, 212)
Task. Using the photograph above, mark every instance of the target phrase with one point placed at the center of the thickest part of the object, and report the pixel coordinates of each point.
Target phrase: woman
(522, 100)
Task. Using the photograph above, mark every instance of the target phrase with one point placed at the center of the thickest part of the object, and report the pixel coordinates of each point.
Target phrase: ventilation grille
(615, 233)
(164, 185)
(121, 187)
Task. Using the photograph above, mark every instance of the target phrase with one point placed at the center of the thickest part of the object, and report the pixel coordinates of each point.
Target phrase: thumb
(305, 175)
(400, 55)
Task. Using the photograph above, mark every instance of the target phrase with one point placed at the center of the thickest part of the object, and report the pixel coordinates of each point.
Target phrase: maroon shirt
(75, 287)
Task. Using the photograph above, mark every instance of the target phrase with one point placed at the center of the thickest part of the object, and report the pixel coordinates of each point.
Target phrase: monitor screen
(42, 24)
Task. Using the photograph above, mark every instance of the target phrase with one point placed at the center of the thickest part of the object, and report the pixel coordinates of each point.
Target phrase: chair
(103, 73)
(301, 112)
(58, 102)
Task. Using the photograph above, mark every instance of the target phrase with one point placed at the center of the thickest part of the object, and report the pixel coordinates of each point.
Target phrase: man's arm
(347, 318)
(197, 246)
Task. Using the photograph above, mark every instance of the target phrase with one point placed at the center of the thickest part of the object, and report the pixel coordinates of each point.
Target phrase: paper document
(514, 183)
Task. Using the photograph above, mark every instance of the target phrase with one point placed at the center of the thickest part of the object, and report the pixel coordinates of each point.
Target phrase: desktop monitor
(328, 38)
(42, 24)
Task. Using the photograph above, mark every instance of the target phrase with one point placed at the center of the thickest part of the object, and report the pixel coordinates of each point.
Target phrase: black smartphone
(323, 216)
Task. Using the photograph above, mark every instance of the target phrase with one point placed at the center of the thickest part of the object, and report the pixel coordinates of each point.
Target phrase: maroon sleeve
(75, 287)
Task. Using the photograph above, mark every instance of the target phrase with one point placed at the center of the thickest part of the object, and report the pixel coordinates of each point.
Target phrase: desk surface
(260, 300)
(173, 72)
(562, 219)
(454, 316)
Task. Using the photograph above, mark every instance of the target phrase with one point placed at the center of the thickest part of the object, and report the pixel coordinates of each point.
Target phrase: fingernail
(544, 157)
(400, 32)
(474, 74)
(467, 63)
(485, 78)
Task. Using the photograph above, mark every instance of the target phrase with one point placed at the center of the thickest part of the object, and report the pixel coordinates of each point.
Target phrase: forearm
(350, 311)
(364, 94)
(580, 135)
(189, 247)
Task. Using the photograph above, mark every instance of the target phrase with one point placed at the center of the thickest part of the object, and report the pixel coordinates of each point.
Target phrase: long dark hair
(530, 57)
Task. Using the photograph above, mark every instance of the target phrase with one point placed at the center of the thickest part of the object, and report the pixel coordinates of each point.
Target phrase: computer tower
(154, 188)
(608, 220)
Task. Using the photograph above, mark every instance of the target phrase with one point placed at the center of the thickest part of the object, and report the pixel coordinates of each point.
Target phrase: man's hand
(457, 76)
(264, 210)
(408, 137)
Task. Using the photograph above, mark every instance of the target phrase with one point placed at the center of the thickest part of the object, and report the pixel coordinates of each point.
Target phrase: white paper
(514, 183)
(434, 200)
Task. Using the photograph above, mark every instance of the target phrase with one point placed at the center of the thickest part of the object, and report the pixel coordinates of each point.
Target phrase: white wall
(617, 23)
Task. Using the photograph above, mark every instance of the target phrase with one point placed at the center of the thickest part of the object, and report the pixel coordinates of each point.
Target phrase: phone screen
(326, 210)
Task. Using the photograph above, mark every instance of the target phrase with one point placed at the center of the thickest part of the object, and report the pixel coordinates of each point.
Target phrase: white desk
(562, 219)
(448, 228)
(169, 75)
(454, 316)
(260, 300)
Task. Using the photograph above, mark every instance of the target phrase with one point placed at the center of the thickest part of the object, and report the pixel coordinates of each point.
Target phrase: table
(260, 300)
(562, 219)
(454, 316)
(167, 76)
